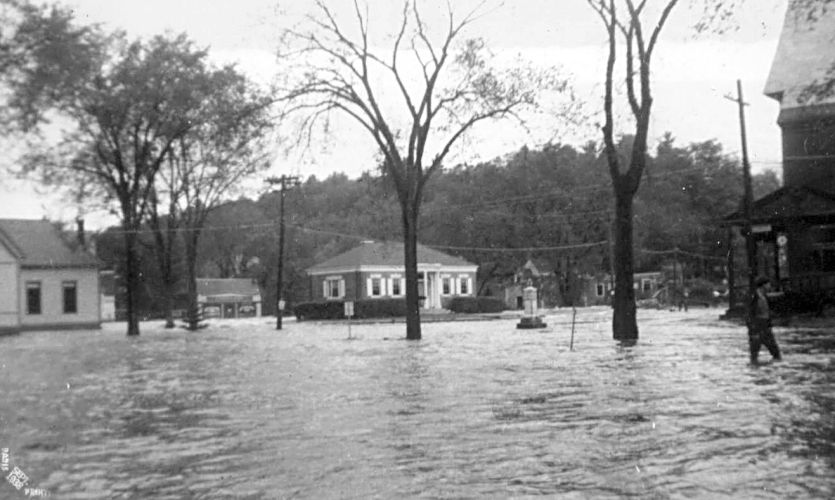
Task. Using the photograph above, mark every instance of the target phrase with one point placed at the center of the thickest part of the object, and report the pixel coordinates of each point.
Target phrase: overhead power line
(677, 251)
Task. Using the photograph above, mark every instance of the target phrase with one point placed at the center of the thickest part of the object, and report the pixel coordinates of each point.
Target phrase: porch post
(437, 287)
(776, 255)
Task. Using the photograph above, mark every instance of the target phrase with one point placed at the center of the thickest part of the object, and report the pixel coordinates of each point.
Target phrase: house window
(70, 297)
(465, 285)
(646, 285)
(396, 286)
(33, 297)
(601, 289)
(375, 286)
(334, 287)
(446, 285)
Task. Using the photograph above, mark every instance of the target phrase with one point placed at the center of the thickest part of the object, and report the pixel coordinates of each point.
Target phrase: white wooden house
(44, 283)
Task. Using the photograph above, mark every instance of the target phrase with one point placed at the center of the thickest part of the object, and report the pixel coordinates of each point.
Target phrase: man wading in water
(759, 327)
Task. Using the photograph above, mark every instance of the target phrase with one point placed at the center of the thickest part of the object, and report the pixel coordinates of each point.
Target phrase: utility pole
(747, 202)
(286, 181)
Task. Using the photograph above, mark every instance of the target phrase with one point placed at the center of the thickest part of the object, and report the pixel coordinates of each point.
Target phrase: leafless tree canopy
(443, 85)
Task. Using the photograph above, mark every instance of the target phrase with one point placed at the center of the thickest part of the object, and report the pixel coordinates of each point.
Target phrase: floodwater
(475, 409)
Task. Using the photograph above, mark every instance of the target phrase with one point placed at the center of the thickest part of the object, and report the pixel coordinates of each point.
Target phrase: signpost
(349, 313)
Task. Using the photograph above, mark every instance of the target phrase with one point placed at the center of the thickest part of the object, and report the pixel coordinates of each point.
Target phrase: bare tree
(455, 89)
(228, 142)
(626, 26)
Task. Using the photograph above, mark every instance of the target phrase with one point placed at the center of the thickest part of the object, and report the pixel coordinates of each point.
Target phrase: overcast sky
(691, 74)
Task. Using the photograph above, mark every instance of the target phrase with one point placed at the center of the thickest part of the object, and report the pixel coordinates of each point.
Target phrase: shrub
(380, 308)
(330, 309)
(471, 305)
(363, 309)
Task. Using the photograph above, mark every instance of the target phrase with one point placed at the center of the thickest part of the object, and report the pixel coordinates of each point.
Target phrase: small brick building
(377, 270)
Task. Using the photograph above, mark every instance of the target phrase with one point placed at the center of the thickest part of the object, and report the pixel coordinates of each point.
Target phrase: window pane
(395, 286)
(333, 288)
(70, 297)
(375, 286)
(33, 297)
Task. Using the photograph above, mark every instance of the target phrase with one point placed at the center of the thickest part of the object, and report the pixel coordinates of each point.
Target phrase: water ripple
(476, 409)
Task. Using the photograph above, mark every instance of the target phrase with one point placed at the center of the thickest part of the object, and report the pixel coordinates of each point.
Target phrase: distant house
(596, 290)
(376, 270)
(794, 227)
(229, 298)
(44, 283)
(540, 274)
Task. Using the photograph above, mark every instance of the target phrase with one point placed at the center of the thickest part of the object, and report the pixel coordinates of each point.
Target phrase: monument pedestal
(530, 320)
(533, 322)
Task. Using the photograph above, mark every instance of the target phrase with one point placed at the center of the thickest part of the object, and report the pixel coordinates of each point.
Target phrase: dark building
(800, 80)
(794, 227)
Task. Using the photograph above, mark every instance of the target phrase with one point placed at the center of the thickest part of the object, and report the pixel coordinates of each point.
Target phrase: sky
(692, 74)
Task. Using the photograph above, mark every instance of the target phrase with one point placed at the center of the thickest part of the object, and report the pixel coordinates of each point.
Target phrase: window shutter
(368, 286)
(402, 286)
(341, 288)
(470, 286)
(325, 288)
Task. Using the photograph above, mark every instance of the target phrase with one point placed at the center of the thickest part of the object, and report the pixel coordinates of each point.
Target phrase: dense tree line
(552, 204)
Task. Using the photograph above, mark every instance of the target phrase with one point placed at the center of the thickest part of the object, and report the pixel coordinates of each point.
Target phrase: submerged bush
(471, 305)
(363, 309)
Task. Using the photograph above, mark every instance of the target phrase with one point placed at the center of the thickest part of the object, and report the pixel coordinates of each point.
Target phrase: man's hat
(762, 280)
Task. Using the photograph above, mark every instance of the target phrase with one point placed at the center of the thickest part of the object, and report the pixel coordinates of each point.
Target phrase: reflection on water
(476, 409)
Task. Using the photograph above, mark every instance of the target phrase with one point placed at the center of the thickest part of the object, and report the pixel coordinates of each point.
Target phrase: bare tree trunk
(193, 316)
(168, 303)
(165, 257)
(410, 260)
(131, 280)
(624, 322)
(168, 278)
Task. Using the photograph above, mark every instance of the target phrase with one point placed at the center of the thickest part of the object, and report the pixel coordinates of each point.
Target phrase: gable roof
(537, 267)
(788, 202)
(37, 243)
(804, 56)
(227, 286)
(386, 253)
